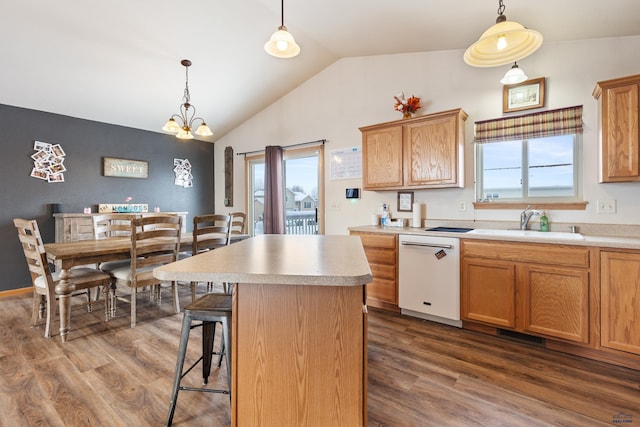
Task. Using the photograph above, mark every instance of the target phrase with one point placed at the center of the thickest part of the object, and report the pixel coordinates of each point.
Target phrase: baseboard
(14, 292)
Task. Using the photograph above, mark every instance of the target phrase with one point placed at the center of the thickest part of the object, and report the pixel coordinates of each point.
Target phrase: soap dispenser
(544, 222)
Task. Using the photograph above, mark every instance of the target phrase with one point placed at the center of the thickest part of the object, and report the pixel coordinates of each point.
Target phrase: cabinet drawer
(380, 256)
(383, 271)
(571, 256)
(382, 290)
(378, 240)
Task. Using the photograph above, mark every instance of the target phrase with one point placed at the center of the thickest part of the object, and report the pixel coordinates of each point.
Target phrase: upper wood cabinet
(422, 152)
(618, 128)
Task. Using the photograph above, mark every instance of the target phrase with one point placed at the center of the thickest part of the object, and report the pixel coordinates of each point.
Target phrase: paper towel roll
(417, 215)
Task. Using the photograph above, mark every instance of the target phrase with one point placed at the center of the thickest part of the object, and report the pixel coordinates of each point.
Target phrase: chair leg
(107, 300)
(176, 300)
(182, 351)
(90, 301)
(208, 336)
(227, 348)
(133, 306)
(37, 308)
(193, 291)
(51, 310)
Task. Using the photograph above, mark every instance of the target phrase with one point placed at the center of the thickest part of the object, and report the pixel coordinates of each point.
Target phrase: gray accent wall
(85, 143)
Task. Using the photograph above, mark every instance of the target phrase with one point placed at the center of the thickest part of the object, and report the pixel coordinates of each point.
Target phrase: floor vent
(524, 338)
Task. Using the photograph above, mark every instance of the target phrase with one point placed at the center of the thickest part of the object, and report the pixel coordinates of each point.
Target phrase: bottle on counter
(385, 214)
(544, 222)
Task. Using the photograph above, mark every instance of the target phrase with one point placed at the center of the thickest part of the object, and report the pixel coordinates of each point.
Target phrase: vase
(407, 115)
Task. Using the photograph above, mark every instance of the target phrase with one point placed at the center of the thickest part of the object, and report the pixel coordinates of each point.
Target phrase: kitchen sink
(557, 235)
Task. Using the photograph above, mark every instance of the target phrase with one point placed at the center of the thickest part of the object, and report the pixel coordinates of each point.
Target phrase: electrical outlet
(462, 206)
(606, 207)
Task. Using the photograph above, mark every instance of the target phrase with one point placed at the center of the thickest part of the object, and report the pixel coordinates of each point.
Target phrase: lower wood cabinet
(532, 288)
(70, 227)
(381, 250)
(620, 297)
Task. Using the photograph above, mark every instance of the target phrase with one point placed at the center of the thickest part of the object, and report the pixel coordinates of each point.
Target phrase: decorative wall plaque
(124, 168)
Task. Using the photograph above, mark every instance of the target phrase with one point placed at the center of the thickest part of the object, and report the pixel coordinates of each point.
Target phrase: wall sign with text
(124, 168)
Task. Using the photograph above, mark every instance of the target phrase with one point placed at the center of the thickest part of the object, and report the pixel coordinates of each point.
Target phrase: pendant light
(281, 44)
(502, 43)
(182, 123)
(514, 76)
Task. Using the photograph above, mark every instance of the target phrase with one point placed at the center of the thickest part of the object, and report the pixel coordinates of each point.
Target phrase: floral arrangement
(406, 106)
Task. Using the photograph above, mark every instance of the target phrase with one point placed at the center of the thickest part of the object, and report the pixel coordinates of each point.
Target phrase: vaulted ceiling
(118, 61)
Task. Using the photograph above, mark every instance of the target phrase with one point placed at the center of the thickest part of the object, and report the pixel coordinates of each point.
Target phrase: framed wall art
(124, 168)
(405, 201)
(523, 96)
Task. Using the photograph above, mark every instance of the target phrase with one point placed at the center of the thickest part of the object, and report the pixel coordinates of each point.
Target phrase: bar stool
(211, 309)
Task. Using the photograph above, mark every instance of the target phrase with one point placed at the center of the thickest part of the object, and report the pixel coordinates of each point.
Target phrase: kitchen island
(299, 335)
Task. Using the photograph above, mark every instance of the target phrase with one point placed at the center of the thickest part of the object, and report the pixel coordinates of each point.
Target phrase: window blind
(562, 121)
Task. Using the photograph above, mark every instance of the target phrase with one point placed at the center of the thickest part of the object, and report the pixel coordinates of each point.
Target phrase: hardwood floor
(420, 374)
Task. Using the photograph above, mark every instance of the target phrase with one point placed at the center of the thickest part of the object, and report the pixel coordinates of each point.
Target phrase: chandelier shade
(514, 76)
(282, 44)
(503, 43)
(182, 123)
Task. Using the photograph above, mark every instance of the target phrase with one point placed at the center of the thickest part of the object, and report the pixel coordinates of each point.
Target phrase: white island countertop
(278, 259)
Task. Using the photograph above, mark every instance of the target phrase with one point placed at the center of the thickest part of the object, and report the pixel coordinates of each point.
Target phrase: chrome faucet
(526, 215)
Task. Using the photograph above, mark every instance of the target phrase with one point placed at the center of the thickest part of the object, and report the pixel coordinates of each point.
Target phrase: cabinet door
(382, 158)
(620, 294)
(80, 228)
(432, 152)
(620, 144)
(556, 302)
(489, 292)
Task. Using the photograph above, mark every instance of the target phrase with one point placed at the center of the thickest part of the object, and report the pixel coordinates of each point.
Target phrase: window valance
(562, 121)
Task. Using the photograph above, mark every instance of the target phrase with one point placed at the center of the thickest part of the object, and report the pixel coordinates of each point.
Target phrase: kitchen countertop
(278, 259)
(597, 240)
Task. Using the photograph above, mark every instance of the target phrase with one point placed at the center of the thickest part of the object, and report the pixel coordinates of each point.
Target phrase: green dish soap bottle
(544, 222)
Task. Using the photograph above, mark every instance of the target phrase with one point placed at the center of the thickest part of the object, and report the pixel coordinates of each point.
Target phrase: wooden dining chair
(238, 222)
(106, 226)
(210, 231)
(44, 281)
(155, 241)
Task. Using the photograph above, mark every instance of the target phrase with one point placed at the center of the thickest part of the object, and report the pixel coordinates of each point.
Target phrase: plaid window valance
(536, 125)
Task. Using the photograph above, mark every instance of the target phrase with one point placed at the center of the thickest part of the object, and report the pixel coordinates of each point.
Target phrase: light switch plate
(606, 207)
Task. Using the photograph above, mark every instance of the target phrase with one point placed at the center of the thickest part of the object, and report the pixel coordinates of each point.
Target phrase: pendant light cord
(282, 12)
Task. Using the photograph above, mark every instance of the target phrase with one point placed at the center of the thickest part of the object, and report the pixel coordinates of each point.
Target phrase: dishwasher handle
(427, 245)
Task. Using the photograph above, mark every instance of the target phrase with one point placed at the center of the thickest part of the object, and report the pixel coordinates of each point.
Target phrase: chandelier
(182, 123)
(503, 43)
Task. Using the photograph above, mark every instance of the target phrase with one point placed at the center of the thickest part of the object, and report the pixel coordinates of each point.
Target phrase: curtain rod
(319, 141)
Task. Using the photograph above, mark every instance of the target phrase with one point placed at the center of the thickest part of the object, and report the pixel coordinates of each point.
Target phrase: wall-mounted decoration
(228, 176)
(346, 163)
(48, 162)
(405, 201)
(523, 96)
(123, 207)
(125, 168)
(182, 169)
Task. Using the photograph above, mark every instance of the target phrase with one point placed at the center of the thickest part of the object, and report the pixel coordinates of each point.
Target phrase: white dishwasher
(429, 278)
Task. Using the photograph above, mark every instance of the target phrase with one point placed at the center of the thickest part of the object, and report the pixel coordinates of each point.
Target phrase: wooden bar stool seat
(210, 309)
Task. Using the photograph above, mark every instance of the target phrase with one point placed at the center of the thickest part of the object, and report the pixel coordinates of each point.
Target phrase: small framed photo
(523, 96)
(405, 201)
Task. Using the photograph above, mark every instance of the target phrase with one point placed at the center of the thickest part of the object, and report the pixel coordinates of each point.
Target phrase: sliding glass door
(303, 191)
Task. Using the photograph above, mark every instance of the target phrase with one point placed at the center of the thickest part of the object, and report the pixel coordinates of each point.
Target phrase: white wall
(355, 92)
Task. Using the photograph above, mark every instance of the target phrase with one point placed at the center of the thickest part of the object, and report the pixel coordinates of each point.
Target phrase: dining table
(66, 255)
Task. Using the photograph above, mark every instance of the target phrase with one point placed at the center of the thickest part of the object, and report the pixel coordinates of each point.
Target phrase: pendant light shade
(502, 43)
(514, 76)
(282, 44)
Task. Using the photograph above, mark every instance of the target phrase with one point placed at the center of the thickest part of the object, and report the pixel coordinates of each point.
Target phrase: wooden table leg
(64, 289)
